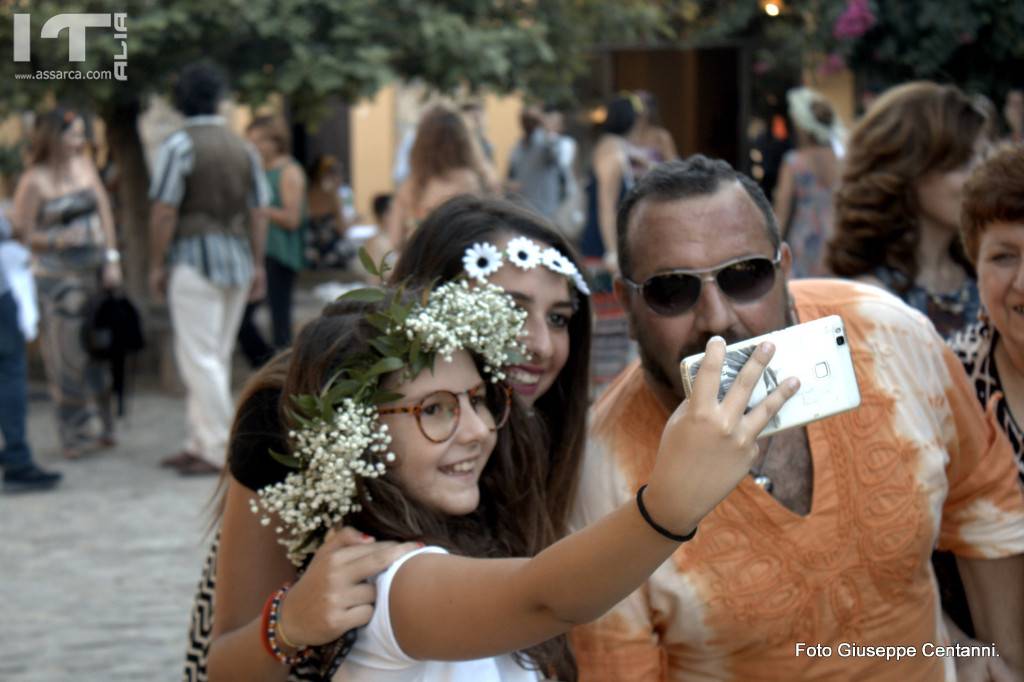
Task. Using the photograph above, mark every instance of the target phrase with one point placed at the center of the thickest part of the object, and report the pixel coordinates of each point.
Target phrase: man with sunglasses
(828, 541)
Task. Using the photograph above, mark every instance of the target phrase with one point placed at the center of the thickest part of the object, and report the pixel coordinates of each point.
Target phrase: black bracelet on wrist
(654, 524)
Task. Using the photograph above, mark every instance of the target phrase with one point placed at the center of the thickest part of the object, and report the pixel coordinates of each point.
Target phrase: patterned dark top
(948, 312)
(974, 345)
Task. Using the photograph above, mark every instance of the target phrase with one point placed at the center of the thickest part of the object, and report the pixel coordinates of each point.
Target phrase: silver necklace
(760, 479)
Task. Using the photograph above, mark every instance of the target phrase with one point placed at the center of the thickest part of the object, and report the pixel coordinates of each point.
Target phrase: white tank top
(376, 656)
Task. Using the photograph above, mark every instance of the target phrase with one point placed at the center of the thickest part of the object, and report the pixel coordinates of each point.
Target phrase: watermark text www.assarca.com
(76, 26)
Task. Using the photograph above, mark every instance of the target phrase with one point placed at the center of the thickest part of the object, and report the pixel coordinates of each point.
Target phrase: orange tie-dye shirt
(917, 465)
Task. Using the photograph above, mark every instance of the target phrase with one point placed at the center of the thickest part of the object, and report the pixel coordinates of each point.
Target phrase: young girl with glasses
(553, 377)
(442, 612)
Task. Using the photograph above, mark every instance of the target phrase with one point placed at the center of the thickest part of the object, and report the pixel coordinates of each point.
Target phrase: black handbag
(112, 327)
(113, 331)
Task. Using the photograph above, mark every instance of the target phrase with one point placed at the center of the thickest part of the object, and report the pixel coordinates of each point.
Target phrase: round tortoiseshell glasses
(438, 413)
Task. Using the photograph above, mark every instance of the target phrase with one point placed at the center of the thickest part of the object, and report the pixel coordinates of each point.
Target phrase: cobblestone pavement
(97, 576)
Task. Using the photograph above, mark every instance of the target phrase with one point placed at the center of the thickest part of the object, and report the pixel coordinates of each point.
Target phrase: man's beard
(658, 371)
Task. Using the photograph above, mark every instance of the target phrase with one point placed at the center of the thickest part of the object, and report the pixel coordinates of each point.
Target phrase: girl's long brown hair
(434, 254)
(48, 137)
(443, 144)
(909, 131)
(269, 377)
(512, 519)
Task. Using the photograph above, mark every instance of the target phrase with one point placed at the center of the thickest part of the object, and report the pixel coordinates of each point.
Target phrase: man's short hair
(695, 176)
(200, 88)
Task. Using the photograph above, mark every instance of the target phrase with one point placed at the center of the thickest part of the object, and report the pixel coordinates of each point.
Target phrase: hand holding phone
(708, 446)
(815, 352)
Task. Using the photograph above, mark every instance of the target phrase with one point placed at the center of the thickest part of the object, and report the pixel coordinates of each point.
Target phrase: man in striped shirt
(206, 256)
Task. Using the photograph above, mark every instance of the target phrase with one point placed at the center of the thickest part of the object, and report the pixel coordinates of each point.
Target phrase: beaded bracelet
(268, 630)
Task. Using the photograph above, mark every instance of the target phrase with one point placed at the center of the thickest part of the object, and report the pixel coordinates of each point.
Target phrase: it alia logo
(76, 26)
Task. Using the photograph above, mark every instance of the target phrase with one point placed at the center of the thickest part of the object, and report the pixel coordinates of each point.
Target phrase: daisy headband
(483, 259)
(339, 439)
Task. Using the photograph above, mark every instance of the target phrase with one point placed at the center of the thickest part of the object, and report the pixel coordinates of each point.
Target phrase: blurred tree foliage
(976, 44)
(311, 51)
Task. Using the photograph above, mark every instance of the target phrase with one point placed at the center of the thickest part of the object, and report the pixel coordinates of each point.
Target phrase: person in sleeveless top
(326, 245)
(803, 196)
(207, 235)
(62, 207)
(286, 237)
(651, 140)
(445, 161)
(611, 176)
(897, 207)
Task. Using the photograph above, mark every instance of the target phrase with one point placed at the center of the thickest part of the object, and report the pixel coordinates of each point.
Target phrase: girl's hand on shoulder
(335, 594)
(708, 447)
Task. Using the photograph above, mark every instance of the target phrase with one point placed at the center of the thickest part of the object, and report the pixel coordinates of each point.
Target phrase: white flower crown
(483, 259)
(341, 438)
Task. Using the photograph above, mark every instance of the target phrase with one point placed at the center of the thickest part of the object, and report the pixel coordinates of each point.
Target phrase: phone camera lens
(840, 340)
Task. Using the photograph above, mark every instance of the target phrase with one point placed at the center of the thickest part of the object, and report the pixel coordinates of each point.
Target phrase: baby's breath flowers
(339, 439)
(481, 318)
(332, 456)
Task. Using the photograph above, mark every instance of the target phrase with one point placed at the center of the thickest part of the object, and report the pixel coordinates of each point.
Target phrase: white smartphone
(815, 352)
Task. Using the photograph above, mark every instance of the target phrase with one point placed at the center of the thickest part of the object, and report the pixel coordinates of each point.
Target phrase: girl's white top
(376, 656)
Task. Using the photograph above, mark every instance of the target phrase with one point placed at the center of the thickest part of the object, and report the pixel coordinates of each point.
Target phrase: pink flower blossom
(856, 20)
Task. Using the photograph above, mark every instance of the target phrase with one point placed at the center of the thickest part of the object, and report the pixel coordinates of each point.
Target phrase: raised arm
(453, 608)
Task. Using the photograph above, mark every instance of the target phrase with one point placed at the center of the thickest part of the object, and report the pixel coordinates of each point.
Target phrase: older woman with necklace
(992, 348)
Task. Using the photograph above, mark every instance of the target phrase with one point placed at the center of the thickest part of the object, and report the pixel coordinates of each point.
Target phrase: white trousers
(205, 318)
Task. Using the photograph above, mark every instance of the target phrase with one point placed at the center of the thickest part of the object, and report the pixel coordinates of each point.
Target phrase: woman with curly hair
(445, 161)
(991, 348)
(897, 209)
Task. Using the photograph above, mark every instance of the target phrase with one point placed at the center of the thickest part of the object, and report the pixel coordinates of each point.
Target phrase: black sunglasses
(677, 291)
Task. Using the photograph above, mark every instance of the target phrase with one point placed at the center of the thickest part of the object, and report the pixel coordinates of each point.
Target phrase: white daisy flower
(581, 284)
(481, 261)
(555, 261)
(523, 252)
